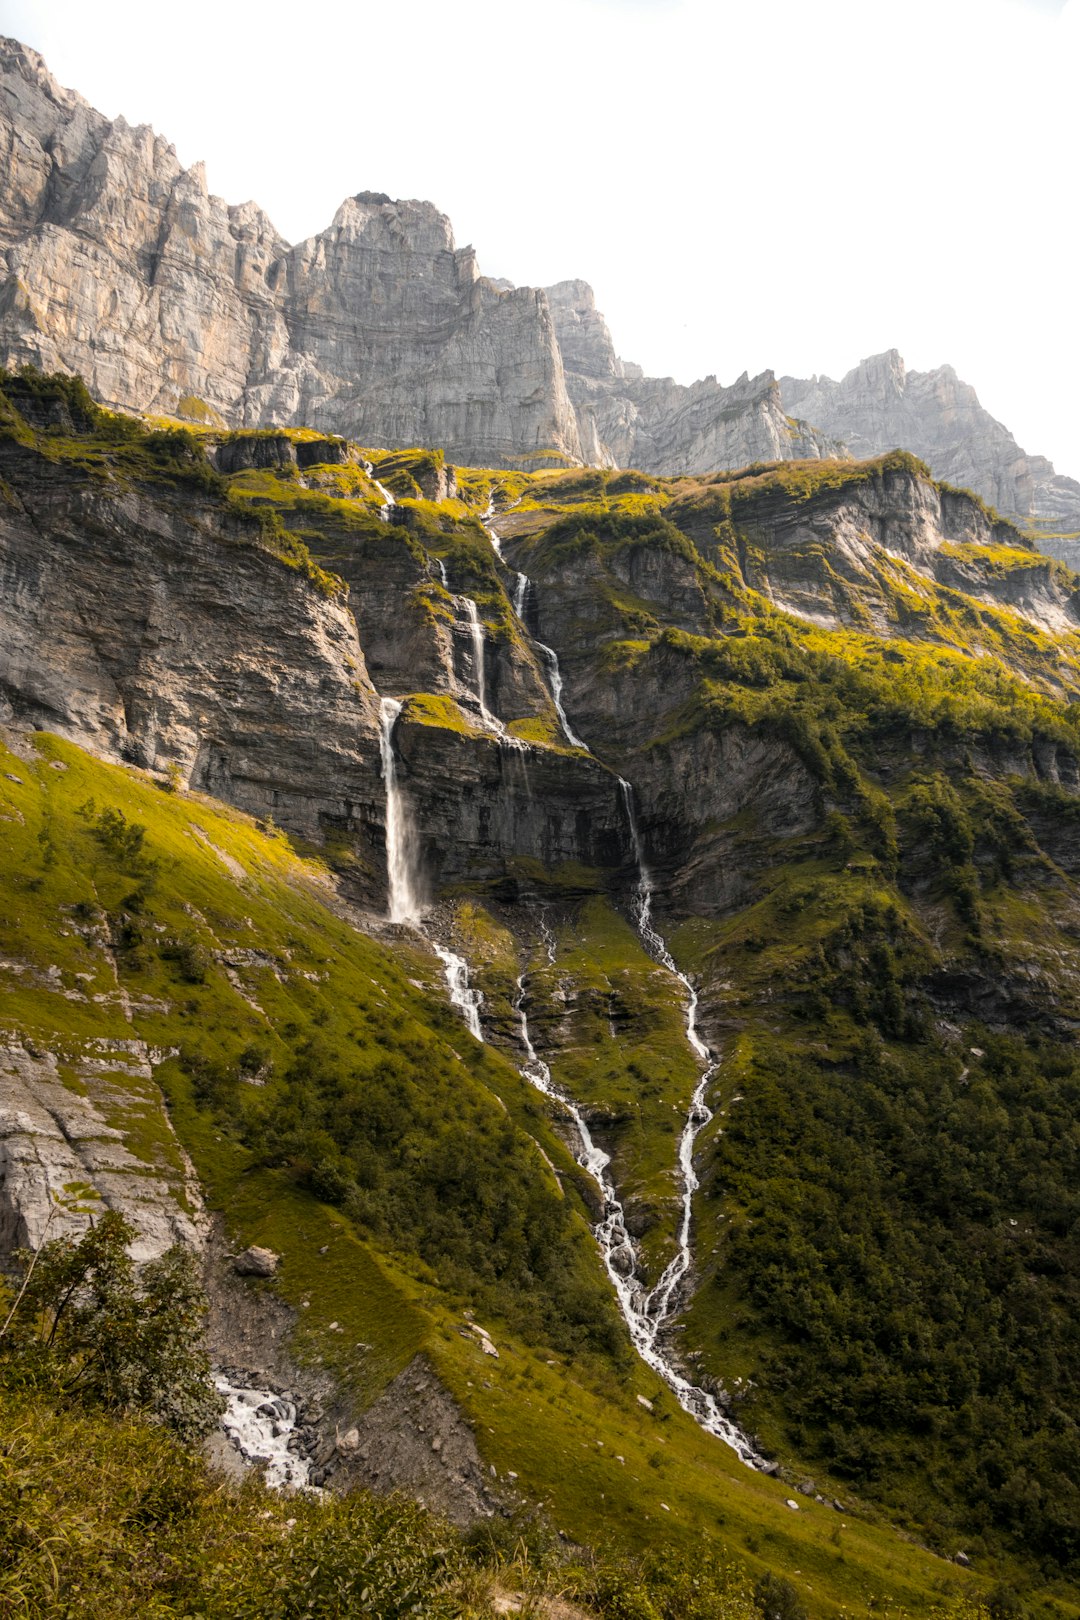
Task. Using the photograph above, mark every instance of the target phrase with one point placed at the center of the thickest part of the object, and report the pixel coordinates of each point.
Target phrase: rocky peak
(584, 339)
(880, 405)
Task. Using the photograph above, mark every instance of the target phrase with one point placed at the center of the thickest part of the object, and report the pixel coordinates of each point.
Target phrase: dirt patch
(416, 1439)
(413, 1439)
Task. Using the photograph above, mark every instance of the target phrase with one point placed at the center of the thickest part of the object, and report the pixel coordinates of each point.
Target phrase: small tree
(91, 1325)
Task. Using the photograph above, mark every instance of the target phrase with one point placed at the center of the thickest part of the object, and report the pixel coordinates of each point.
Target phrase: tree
(91, 1325)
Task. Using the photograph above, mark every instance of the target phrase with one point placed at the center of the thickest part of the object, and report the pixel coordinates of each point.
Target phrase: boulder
(256, 1262)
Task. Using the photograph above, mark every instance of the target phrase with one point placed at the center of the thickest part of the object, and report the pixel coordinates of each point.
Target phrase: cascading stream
(388, 499)
(262, 1427)
(645, 1313)
(548, 654)
(462, 996)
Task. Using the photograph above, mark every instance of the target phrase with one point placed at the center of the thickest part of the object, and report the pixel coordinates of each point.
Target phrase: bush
(90, 1327)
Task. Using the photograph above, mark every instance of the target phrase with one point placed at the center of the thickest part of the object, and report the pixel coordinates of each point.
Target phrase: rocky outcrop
(664, 427)
(152, 626)
(58, 1139)
(881, 406)
(120, 265)
(153, 623)
(849, 555)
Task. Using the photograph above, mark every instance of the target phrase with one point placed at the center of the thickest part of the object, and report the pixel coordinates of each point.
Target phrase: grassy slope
(538, 1412)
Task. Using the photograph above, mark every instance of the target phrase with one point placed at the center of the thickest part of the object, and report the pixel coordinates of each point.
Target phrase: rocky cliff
(119, 265)
(842, 700)
(881, 406)
(628, 420)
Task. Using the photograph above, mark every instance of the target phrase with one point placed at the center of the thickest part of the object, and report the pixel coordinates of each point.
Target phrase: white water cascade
(261, 1425)
(476, 634)
(548, 654)
(462, 996)
(404, 902)
(388, 499)
(645, 1314)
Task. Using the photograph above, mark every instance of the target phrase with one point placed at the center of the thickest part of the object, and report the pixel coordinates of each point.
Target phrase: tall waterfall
(404, 902)
(476, 632)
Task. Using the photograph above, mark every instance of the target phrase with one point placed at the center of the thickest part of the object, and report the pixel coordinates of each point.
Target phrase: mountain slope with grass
(839, 701)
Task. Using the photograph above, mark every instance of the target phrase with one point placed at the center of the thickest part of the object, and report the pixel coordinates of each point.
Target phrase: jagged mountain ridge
(122, 267)
(881, 405)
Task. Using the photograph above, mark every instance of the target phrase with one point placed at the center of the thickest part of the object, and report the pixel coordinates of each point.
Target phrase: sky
(784, 184)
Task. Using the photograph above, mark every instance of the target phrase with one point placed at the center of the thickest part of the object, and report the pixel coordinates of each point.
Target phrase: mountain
(122, 267)
(881, 405)
(611, 937)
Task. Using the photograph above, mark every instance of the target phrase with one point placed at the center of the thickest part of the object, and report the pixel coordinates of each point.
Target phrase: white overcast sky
(791, 184)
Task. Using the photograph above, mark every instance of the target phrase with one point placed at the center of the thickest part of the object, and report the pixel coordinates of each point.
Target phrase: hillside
(832, 757)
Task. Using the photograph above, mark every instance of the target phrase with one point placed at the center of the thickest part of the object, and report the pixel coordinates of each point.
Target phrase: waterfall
(388, 499)
(548, 654)
(462, 996)
(486, 517)
(663, 1301)
(645, 1314)
(556, 684)
(403, 900)
(476, 632)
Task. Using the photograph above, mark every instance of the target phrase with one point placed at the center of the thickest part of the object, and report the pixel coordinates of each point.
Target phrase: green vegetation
(860, 818)
(82, 1324)
(341, 1115)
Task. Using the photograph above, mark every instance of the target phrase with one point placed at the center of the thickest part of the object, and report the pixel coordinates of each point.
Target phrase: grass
(540, 1409)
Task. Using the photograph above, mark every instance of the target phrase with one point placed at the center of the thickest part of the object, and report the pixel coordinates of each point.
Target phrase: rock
(962, 1559)
(52, 1137)
(880, 406)
(256, 1262)
(349, 1441)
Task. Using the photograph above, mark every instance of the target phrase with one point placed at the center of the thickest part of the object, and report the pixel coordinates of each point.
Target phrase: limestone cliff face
(881, 406)
(149, 622)
(121, 266)
(152, 629)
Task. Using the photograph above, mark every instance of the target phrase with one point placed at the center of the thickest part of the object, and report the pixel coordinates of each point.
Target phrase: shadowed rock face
(881, 406)
(152, 629)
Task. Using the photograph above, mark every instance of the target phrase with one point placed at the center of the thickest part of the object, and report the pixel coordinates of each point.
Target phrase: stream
(262, 1427)
(646, 1312)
